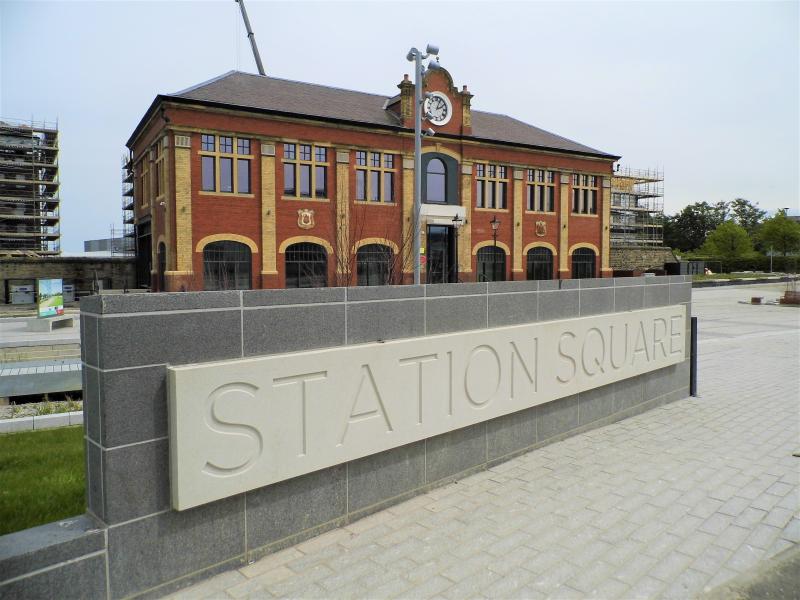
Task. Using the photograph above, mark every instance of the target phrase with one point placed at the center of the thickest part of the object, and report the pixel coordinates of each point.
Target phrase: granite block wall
(129, 340)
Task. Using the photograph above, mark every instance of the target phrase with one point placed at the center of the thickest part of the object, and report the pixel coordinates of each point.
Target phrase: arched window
(540, 263)
(161, 259)
(436, 181)
(491, 264)
(374, 264)
(306, 266)
(226, 266)
(583, 263)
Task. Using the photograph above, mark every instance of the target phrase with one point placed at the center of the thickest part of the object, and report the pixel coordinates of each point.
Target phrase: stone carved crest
(541, 228)
(305, 218)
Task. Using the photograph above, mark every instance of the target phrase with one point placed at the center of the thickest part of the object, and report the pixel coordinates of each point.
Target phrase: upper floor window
(375, 176)
(144, 182)
(491, 186)
(160, 169)
(225, 164)
(305, 171)
(541, 190)
(584, 194)
(436, 181)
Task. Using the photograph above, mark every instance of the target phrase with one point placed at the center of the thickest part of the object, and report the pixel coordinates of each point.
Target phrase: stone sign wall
(133, 542)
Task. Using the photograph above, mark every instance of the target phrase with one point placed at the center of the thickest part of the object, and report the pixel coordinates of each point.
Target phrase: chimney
(406, 101)
(466, 113)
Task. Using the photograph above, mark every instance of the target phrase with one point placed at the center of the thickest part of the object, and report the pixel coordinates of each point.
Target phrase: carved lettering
(641, 345)
(570, 360)
(658, 337)
(267, 419)
(419, 360)
(532, 377)
(676, 324)
(596, 353)
(232, 393)
(611, 349)
(367, 403)
(303, 380)
(481, 388)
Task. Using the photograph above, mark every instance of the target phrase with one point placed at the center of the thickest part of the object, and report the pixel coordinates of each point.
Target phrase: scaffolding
(637, 207)
(29, 185)
(126, 245)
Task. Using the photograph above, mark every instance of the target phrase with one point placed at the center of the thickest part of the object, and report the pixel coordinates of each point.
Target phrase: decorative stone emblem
(541, 228)
(305, 218)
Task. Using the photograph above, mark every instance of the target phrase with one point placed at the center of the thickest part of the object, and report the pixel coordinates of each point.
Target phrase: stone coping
(35, 423)
(187, 301)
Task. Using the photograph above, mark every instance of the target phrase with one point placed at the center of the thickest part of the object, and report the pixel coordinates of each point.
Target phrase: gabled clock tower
(450, 107)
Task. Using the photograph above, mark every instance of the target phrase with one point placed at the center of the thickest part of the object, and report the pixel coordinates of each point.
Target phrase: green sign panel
(51, 298)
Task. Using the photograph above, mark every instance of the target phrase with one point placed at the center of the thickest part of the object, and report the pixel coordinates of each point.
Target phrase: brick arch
(442, 150)
(584, 245)
(226, 237)
(305, 238)
(375, 240)
(533, 245)
(485, 243)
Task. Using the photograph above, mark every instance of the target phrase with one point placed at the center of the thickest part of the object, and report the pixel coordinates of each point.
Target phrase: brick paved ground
(665, 504)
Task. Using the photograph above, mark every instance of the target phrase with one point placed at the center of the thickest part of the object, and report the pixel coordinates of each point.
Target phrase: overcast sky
(706, 91)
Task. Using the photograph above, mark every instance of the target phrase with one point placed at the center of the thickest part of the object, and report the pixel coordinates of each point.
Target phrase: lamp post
(417, 57)
(495, 223)
(457, 223)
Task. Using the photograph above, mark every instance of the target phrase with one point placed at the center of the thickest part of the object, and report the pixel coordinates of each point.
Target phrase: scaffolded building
(29, 202)
(637, 207)
(127, 243)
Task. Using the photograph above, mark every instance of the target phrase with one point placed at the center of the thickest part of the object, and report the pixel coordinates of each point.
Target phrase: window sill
(226, 194)
(370, 203)
(502, 210)
(540, 212)
(304, 199)
(584, 215)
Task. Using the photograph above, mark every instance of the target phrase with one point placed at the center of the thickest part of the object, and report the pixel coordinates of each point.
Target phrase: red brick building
(251, 181)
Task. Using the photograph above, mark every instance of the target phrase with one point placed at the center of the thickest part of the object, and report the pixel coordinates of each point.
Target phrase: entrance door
(440, 254)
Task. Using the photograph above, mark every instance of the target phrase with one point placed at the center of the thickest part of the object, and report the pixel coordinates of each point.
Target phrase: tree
(688, 229)
(781, 233)
(728, 240)
(747, 214)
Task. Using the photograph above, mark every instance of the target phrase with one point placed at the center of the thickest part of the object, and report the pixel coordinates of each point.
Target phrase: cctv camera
(431, 49)
(430, 131)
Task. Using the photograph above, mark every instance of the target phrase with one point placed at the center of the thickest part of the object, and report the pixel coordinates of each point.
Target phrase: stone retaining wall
(128, 341)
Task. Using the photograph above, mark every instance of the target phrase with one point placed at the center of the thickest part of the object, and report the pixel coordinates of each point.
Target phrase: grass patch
(41, 477)
(734, 276)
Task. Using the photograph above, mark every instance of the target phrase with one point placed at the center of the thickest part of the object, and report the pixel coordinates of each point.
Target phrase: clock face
(439, 108)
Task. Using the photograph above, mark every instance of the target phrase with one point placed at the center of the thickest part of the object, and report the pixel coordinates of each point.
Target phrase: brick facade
(184, 218)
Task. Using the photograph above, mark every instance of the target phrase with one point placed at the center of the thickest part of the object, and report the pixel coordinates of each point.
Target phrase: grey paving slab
(668, 503)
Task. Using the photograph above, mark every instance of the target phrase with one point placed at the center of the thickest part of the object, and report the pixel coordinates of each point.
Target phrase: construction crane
(252, 38)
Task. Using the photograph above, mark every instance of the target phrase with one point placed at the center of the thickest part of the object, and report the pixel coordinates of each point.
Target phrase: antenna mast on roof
(252, 37)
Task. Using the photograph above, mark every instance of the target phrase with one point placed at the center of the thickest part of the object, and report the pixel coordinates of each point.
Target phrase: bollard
(693, 360)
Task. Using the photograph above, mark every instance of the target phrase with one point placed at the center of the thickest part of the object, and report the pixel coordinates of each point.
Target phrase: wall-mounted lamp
(495, 223)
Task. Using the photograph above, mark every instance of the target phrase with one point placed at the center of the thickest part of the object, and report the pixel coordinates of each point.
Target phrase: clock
(438, 106)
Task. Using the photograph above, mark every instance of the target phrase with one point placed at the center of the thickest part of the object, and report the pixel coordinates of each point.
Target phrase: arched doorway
(583, 260)
(227, 265)
(540, 263)
(491, 264)
(306, 266)
(374, 264)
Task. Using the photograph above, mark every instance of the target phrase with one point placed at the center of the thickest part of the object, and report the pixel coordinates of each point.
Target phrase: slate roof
(248, 91)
